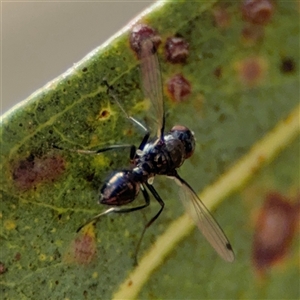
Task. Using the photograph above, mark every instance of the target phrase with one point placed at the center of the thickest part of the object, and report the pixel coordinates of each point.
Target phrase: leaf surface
(244, 81)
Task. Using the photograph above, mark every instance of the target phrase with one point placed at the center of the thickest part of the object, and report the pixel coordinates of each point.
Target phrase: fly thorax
(155, 160)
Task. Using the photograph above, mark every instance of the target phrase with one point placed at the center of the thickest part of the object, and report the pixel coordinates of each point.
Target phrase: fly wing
(205, 221)
(152, 83)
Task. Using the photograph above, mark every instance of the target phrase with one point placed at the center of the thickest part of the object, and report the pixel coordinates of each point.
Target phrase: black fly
(160, 156)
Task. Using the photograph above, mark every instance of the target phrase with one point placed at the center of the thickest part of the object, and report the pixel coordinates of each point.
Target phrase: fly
(162, 155)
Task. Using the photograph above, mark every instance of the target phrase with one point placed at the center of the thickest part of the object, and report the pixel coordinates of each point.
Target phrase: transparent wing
(152, 83)
(205, 221)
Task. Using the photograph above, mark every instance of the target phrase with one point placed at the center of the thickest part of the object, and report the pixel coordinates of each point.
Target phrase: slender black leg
(112, 147)
(132, 153)
(140, 148)
(144, 141)
(162, 204)
(119, 210)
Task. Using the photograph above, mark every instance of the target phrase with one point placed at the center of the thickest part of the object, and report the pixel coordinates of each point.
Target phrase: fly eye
(190, 149)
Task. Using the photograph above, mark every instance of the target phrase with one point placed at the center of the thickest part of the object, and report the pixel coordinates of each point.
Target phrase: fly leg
(144, 141)
(162, 204)
(139, 151)
(133, 153)
(108, 148)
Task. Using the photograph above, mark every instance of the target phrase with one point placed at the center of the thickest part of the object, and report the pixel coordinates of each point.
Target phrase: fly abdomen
(120, 189)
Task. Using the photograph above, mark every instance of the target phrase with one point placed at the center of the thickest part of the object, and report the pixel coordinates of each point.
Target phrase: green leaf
(243, 110)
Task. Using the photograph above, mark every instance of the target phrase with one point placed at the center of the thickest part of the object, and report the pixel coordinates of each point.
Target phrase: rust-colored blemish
(274, 231)
(218, 72)
(257, 11)
(29, 172)
(3, 269)
(252, 34)
(288, 65)
(17, 256)
(176, 50)
(221, 17)
(130, 283)
(141, 32)
(128, 132)
(261, 159)
(82, 250)
(104, 115)
(178, 88)
(251, 71)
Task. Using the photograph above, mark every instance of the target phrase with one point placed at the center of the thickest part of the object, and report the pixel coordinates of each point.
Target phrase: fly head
(186, 136)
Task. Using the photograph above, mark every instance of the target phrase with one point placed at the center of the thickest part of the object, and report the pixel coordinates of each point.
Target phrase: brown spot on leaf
(251, 71)
(218, 72)
(82, 250)
(29, 172)
(128, 131)
(3, 269)
(17, 256)
(176, 50)
(129, 283)
(141, 32)
(90, 177)
(274, 230)
(252, 34)
(257, 11)
(104, 115)
(221, 17)
(288, 65)
(178, 87)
